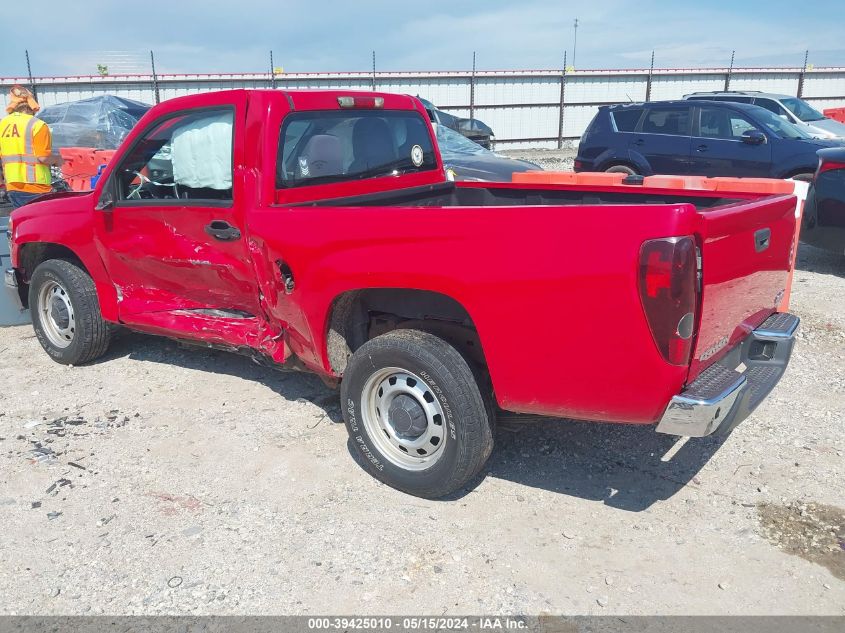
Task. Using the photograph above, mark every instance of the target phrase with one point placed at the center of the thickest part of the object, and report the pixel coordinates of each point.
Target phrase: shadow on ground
(816, 260)
(618, 465)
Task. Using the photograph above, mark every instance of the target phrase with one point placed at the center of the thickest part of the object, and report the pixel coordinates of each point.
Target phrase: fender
(65, 220)
(640, 162)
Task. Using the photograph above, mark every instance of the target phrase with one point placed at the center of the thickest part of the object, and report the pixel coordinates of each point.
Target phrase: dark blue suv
(704, 138)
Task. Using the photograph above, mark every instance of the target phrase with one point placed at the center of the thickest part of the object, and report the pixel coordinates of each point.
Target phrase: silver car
(792, 109)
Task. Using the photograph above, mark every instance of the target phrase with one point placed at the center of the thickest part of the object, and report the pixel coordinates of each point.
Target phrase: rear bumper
(727, 392)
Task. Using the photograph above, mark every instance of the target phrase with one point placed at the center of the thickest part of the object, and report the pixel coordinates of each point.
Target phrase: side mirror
(754, 137)
(106, 201)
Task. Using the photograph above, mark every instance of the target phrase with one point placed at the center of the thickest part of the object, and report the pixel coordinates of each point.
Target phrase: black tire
(622, 169)
(467, 420)
(91, 334)
(804, 177)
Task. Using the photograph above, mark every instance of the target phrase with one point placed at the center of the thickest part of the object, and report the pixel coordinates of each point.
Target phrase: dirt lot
(167, 480)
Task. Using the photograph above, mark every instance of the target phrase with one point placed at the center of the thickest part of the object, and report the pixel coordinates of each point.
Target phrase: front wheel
(66, 313)
(415, 413)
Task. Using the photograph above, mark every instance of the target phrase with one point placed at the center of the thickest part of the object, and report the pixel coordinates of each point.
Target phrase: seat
(321, 156)
(372, 145)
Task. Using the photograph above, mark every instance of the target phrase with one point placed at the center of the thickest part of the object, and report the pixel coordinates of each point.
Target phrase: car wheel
(66, 313)
(415, 413)
(808, 177)
(622, 169)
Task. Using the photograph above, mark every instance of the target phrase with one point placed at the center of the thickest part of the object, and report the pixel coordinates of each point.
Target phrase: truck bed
(466, 194)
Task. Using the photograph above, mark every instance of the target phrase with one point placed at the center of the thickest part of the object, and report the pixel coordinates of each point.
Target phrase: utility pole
(575, 42)
(29, 73)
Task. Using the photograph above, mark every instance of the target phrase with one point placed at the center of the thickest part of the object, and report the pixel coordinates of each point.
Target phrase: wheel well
(34, 253)
(619, 163)
(802, 170)
(360, 315)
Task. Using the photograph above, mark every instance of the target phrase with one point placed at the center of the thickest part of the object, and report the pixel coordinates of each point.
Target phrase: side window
(771, 106)
(671, 120)
(335, 145)
(626, 119)
(723, 123)
(185, 157)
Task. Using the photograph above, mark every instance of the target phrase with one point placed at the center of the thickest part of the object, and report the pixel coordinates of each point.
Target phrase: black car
(466, 160)
(704, 138)
(823, 224)
(475, 130)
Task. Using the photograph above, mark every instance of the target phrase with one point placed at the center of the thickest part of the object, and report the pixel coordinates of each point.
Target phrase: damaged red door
(174, 241)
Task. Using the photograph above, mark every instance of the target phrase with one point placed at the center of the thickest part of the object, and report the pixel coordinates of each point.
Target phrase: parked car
(475, 130)
(823, 224)
(792, 109)
(318, 231)
(466, 160)
(704, 138)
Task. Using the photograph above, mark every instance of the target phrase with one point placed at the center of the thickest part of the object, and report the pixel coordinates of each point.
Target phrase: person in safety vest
(25, 149)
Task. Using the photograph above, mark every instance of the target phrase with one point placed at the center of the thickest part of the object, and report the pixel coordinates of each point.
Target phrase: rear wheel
(416, 414)
(66, 313)
(622, 169)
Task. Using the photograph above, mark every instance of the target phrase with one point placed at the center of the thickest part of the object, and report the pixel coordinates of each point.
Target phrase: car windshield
(802, 110)
(775, 124)
(451, 143)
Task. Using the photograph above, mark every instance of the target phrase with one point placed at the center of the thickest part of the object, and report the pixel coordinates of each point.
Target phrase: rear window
(668, 120)
(334, 146)
(626, 120)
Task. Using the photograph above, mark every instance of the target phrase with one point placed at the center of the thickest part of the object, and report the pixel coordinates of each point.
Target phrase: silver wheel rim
(403, 418)
(56, 314)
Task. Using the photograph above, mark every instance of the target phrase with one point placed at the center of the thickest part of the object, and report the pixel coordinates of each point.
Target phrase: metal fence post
(31, 80)
(562, 104)
(648, 81)
(729, 73)
(472, 89)
(155, 77)
(801, 76)
(272, 72)
(374, 71)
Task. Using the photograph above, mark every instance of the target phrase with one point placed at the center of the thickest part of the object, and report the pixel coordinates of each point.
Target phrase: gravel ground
(548, 159)
(171, 480)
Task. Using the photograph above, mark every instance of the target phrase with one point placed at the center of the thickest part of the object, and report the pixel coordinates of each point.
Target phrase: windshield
(802, 109)
(773, 123)
(451, 143)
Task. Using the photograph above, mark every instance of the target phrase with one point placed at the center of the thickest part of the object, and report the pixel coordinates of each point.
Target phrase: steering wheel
(136, 193)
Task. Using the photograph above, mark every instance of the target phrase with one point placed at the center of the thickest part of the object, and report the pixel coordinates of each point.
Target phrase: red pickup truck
(318, 230)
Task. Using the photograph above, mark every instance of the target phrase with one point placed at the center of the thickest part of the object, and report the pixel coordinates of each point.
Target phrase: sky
(340, 35)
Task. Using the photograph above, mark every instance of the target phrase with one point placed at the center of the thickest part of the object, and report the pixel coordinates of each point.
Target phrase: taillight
(360, 102)
(829, 165)
(668, 291)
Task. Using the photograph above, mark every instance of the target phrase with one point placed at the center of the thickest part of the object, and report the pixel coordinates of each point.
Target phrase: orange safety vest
(20, 164)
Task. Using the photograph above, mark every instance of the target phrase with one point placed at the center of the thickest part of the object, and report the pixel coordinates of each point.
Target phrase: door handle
(639, 141)
(223, 231)
(762, 239)
(702, 148)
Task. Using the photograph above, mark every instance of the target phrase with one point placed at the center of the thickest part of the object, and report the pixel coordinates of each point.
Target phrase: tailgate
(745, 260)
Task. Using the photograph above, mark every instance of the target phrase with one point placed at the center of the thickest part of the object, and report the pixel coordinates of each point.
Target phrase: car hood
(486, 166)
(826, 126)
